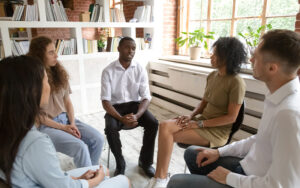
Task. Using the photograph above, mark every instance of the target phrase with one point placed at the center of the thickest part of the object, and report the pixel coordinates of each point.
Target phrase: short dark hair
(284, 45)
(21, 84)
(232, 52)
(125, 39)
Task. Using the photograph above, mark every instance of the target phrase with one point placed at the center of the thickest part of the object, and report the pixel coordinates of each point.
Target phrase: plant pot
(195, 52)
(100, 49)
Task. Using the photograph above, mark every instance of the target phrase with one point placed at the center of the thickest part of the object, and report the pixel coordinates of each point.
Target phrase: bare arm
(70, 109)
(51, 123)
(142, 108)
(199, 109)
(230, 117)
(108, 107)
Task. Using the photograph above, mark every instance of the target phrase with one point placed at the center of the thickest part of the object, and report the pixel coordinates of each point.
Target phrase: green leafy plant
(252, 36)
(196, 38)
(101, 43)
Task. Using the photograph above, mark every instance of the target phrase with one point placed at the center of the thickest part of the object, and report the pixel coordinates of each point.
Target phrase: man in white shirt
(126, 96)
(271, 158)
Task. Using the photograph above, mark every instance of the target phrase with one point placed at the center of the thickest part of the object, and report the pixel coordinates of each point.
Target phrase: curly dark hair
(232, 52)
(57, 75)
(21, 85)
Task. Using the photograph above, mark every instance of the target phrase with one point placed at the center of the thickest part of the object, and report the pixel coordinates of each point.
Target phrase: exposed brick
(298, 16)
(297, 24)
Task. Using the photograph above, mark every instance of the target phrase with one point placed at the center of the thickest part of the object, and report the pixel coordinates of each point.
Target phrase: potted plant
(101, 42)
(195, 41)
(252, 36)
(100, 45)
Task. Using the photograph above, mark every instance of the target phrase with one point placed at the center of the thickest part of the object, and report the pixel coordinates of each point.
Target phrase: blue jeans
(86, 151)
(198, 177)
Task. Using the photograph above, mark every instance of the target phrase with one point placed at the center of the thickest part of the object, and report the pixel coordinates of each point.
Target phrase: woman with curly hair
(219, 108)
(69, 135)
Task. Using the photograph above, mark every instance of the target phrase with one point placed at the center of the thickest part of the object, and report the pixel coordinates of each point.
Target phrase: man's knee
(111, 125)
(190, 155)
(177, 181)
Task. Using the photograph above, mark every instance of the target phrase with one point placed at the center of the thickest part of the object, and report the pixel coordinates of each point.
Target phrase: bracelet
(200, 124)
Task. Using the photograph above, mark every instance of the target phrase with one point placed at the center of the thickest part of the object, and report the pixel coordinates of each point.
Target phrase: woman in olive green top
(219, 108)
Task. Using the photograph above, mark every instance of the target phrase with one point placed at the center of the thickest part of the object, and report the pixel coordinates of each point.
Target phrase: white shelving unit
(85, 69)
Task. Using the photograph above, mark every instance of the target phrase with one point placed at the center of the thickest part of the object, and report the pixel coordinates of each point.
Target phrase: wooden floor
(131, 142)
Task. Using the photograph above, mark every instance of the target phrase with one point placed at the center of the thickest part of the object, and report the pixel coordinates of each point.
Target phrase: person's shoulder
(110, 66)
(32, 137)
(236, 78)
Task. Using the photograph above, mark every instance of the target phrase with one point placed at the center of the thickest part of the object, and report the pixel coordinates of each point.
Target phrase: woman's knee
(167, 126)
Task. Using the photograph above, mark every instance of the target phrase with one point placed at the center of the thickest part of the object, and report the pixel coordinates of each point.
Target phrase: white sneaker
(151, 183)
(161, 183)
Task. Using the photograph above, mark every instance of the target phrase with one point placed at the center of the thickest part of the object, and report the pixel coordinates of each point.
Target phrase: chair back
(237, 124)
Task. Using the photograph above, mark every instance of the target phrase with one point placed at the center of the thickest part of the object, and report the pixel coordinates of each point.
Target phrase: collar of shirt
(118, 64)
(285, 90)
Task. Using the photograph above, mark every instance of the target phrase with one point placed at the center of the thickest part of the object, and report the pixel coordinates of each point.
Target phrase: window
(229, 17)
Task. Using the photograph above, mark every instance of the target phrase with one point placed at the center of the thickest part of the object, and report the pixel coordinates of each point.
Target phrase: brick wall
(297, 24)
(169, 27)
(80, 6)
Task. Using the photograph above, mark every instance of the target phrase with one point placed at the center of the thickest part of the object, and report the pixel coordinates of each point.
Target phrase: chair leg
(108, 156)
(184, 168)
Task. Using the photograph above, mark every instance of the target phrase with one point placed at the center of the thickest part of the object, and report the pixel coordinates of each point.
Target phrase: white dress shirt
(119, 85)
(272, 156)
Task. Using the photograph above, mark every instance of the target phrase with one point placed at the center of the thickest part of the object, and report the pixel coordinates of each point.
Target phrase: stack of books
(143, 13)
(55, 11)
(65, 47)
(97, 11)
(89, 46)
(112, 44)
(1, 51)
(20, 48)
(117, 15)
(26, 13)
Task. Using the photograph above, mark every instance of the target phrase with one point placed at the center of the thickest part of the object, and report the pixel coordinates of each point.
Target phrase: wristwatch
(200, 123)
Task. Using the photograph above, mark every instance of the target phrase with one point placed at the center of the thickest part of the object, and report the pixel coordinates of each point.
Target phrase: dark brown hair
(21, 84)
(57, 75)
(284, 46)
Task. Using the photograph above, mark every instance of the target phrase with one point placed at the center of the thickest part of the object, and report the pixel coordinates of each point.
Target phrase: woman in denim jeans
(69, 135)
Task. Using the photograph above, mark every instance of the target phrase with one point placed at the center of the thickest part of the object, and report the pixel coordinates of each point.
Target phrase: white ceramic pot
(195, 53)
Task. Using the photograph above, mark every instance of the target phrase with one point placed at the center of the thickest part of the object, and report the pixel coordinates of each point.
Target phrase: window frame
(184, 12)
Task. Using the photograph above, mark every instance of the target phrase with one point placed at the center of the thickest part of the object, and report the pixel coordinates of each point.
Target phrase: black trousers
(147, 121)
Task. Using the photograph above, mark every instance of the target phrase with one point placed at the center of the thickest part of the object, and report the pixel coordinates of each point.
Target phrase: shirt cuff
(84, 183)
(105, 98)
(222, 151)
(146, 97)
(233, 179)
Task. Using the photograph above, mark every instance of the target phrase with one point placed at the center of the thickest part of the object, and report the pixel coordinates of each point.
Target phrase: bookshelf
(85, 69)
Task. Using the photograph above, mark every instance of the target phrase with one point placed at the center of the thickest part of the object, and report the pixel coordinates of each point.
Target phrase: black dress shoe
(119, 171)
(148, 169)
(120, 168)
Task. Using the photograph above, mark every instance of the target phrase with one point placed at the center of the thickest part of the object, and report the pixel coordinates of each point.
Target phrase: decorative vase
(195, 52)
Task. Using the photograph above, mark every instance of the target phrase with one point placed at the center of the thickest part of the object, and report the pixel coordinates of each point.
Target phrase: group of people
(37, 119)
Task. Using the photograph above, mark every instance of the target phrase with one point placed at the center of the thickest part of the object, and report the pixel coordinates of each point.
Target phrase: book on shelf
(117, 15)
(143, 13)
(26, 12)
(97, 13)
(1, 51)
(89, 46)
(55, 11)
(65, 47)
(20, 48)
